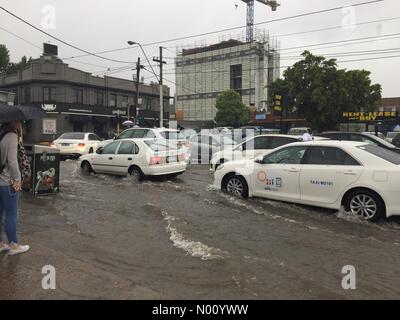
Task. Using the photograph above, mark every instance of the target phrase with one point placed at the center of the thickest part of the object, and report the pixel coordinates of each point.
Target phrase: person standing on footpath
(307, 136)
(11, 157)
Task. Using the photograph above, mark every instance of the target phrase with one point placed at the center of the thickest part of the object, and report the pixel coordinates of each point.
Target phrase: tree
(19, 66)
(10, 67)
(320, 92)
(4, 58)
(231, 110)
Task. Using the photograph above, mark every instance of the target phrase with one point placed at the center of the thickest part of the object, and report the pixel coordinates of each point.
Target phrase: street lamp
(159, 79)
(131, 43)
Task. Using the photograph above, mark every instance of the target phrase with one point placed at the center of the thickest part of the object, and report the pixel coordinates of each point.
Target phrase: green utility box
(44, 176)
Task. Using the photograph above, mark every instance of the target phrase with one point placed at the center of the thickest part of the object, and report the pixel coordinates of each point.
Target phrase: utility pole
(161, 62)
(136, 110)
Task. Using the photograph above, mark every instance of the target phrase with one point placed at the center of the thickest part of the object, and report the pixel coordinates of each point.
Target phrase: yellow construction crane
(274, 4)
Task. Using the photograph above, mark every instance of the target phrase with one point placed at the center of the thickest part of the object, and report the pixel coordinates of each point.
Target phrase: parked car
(75, 144)
(173, 137)
(134, 133)
(203, 146)
(380, 134)
(390, 135)
(137, 158)
(362, 137)
(365, 178)
(298, 131)
(251, 148)
(396, 140)
(177, 139)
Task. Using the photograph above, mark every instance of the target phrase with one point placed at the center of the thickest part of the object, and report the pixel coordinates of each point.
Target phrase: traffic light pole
(161, 62)
(135, 111)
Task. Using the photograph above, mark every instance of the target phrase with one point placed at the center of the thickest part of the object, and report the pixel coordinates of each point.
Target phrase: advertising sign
(50, 126)
(369, 116)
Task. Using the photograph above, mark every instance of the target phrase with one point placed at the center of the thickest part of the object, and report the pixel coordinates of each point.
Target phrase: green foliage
(320, 92)
(4, 58)
(15, 67)
(231, 110)
(10, 67)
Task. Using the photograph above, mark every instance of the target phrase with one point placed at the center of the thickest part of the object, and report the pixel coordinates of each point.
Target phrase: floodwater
(109, 238)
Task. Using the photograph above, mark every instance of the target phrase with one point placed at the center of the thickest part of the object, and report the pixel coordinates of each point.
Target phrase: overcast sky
(99, 25)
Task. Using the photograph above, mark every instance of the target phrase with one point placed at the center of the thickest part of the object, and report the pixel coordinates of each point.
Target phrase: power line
(347, 44)
(17, 36)
(340, 41)
(60, 40)
(368, 59)
(348, 53)
(266, 22)
(335, 27)
(280, 67)
(235, 28)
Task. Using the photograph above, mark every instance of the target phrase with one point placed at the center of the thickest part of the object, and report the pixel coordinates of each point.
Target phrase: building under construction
(203, 73)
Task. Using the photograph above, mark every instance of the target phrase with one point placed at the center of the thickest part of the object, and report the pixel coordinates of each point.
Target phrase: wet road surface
(111, 239)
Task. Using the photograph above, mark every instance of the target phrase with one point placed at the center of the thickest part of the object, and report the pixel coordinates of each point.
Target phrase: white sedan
(137, 158)
(174, 137)
(76, 144)
(362, 177)
(251, 148)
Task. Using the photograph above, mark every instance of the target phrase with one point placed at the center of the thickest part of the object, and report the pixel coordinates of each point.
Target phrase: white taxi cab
(251, 148)
(363, 178)
(136, 158)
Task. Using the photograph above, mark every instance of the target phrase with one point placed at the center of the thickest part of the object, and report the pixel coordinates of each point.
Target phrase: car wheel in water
(365, 204)
(87, 168)
(136, 175)
(236, 185)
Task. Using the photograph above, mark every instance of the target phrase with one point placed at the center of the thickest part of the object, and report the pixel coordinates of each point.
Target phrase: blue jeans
(9, 206)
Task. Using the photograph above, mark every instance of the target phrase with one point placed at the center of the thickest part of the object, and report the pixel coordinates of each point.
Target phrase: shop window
(49, 94)
(78, 96)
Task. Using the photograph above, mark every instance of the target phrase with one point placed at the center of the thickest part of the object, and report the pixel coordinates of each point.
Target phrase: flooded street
(111, 239)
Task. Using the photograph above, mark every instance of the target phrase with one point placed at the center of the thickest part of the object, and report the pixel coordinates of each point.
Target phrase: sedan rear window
(173, 135)
(159, 145)
(73, 136)
(382, 153)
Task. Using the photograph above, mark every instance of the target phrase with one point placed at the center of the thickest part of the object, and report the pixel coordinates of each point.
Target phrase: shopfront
(63, 118)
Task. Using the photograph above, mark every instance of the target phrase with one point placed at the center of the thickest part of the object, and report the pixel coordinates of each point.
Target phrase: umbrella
(128, 123)
(12, 113)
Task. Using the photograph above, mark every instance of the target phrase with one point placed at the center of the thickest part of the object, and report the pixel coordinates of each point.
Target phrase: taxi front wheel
(365, 204)
(235, 185)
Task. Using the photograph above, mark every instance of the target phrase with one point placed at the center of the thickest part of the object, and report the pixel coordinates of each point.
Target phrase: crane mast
(250, 15)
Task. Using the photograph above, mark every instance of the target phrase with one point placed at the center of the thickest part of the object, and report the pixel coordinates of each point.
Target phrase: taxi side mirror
(99, 150)
(259, 160)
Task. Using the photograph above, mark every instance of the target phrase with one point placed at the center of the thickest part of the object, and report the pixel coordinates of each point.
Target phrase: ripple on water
(194, 248)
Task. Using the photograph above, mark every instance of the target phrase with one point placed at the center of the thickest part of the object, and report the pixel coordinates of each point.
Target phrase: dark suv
(362, 137)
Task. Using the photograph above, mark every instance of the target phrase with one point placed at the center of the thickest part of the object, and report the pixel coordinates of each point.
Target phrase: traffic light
(278, 103)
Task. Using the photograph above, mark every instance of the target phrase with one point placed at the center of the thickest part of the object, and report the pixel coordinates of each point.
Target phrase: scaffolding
(204, 70)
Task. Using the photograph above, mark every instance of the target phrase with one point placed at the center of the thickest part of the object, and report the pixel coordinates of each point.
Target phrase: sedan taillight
(156, 160)
(81, 145)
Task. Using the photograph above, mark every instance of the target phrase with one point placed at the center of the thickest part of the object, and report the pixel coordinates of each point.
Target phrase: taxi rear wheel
(365, 204)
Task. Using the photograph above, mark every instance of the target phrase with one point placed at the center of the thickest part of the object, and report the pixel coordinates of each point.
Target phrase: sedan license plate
(171, 159)
(65, 144)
